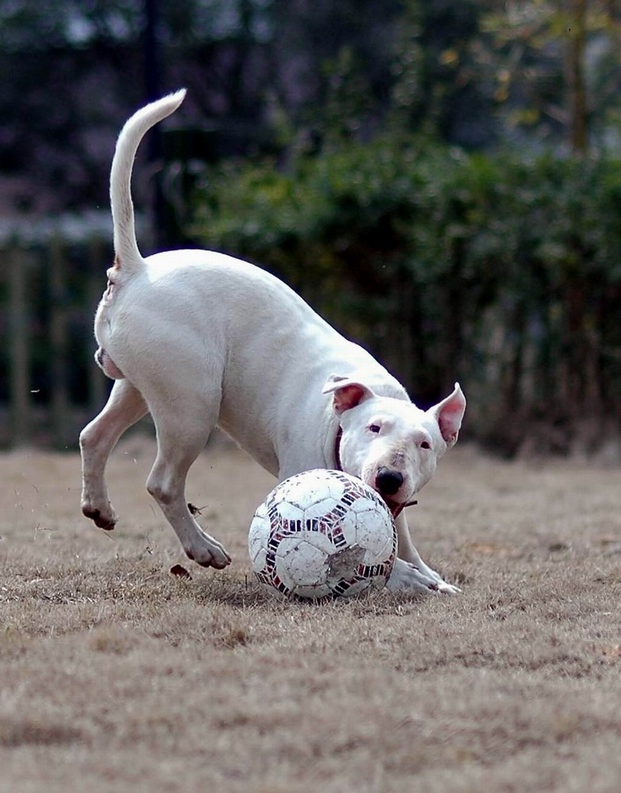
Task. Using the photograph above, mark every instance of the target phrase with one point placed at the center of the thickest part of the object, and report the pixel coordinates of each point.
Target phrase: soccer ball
(322, 534)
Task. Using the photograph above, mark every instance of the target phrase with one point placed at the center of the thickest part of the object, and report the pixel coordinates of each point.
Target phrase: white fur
(201, 339)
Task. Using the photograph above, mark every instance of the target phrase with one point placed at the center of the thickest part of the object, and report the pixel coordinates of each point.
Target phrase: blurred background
(440, 179)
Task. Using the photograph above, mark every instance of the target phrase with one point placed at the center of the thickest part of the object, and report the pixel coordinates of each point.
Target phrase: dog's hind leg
(181, 436)
(125, 407)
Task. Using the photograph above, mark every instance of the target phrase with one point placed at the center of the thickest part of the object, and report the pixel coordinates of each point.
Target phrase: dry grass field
(117, 676)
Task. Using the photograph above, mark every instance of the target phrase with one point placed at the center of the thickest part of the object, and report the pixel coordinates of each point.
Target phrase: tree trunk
(574, 75)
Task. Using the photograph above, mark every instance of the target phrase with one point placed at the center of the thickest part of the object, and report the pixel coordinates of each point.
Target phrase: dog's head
(389, 443)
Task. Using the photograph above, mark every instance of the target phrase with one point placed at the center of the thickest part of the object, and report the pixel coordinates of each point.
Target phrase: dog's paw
(407, 577)
(208, 553)
(102, 518)
(447, 589)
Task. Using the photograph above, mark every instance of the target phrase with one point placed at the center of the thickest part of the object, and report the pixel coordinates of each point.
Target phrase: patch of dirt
(118, 669)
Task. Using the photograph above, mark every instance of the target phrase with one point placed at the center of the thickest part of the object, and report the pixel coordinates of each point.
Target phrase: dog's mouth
(397, 507)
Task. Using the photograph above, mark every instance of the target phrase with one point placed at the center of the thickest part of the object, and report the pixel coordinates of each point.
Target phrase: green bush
(503, 273)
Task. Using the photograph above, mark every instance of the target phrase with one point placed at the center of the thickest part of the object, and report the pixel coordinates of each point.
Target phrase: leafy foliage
(502, 272)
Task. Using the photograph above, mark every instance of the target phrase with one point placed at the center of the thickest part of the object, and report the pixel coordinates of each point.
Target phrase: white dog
(200, 339)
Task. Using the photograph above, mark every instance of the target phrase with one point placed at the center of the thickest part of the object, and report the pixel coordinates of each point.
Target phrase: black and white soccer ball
(322, 534)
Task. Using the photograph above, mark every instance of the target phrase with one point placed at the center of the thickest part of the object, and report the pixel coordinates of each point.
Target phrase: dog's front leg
(125, 407)
(410, 572)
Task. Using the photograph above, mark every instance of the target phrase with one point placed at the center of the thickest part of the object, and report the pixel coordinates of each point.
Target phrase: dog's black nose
(388, 482)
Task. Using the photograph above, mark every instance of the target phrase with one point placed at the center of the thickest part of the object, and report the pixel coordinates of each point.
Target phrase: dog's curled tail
(128, 256)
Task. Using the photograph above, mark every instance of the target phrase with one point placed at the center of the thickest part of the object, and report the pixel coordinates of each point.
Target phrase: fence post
(57, 272)
(98, 383)
(19, 346)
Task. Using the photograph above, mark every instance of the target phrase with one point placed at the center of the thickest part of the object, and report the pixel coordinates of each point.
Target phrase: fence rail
(49, 383)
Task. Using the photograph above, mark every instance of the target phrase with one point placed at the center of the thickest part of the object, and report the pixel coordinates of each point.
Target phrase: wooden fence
(49, 383)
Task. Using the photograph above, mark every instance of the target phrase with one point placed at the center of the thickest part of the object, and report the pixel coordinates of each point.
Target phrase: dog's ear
(347, 392)
(449, 414)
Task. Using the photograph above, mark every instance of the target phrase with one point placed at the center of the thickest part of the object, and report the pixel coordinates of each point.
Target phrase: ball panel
(285, 511)
(303, 544)
(300, 564)
(358, 587)
(375, 532)
(257, 537)
(305, 490)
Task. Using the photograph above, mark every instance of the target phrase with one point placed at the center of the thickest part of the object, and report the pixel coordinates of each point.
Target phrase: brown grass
(116, 675)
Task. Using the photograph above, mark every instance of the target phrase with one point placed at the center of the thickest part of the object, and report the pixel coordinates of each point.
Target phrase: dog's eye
(374, 428)
(425, 445)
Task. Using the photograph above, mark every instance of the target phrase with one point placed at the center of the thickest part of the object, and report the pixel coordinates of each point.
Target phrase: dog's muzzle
(387, 481)
(387, 484)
